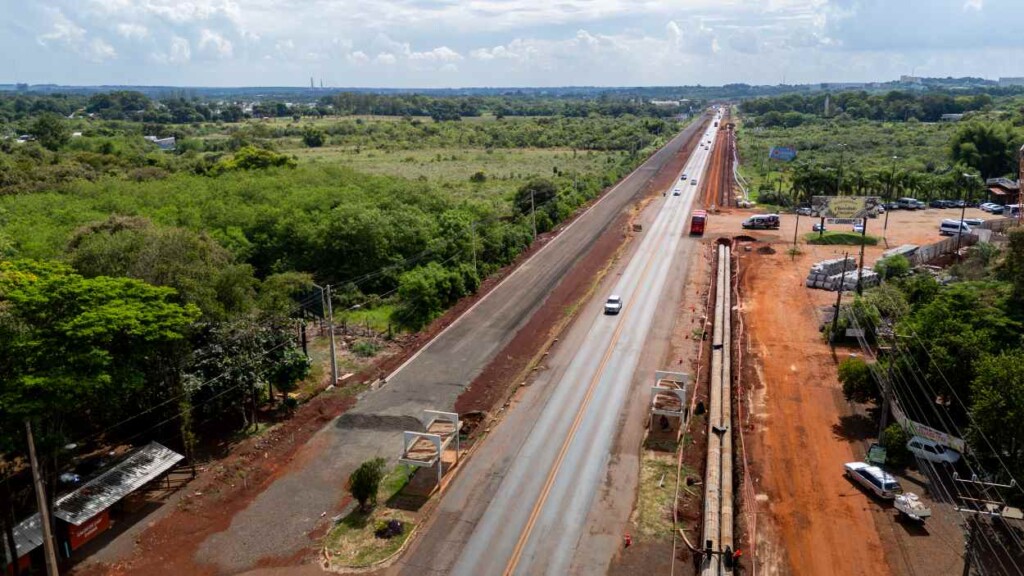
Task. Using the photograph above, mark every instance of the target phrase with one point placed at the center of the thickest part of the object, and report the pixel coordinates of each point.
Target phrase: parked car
(762, 222)
(974, 222)
(997, 209)
(858, 228)
(907, 203)
(932, 451)
(918, 205)
(987, 206)
(937, 204)
(892, 205)
(613, 305)
(874, 479)
(819, 227)
(804, 211)
(951, 227)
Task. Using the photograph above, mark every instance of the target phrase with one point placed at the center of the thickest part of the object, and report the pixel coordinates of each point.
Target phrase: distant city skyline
(509, 43)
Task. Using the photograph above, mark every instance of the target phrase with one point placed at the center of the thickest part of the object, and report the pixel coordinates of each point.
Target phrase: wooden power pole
(49, 549)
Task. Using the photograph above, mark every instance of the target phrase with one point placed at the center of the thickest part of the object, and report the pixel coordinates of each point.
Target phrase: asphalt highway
(534, 520)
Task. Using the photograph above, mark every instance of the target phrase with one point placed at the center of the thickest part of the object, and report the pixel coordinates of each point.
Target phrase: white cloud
(358, 58)
(180, 51)
(976, 5)
(132, 31)
(386, 58)
(100, 50)
(439, 54)
(214, 42)
(63, 31)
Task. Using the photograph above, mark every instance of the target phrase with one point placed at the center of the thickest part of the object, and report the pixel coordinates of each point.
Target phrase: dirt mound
(766, 250)
(744, 238)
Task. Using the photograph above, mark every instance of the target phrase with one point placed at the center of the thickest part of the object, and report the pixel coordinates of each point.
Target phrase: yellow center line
(550, 480)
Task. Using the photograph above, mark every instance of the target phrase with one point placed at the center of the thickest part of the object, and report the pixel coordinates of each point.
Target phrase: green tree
(988, 148)
(858, 383)
(997, 413)
(534, 194)
(77, 353)
(894, 439)
(51, 131)
(253, 158)
(1012, 267)
(195, 265)
(364, 483)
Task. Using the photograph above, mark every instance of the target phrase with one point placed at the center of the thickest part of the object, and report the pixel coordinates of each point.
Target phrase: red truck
(697, 222)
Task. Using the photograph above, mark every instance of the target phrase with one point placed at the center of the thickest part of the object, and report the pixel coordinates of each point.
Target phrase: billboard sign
(844, 207)
(783, 153)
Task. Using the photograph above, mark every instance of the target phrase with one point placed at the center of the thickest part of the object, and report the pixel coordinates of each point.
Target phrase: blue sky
(452, 43)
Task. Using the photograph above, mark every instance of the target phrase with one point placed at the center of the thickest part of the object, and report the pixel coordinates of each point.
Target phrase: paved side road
(279, 520)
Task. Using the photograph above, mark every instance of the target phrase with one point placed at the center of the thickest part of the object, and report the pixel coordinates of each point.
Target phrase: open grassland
(862, 147)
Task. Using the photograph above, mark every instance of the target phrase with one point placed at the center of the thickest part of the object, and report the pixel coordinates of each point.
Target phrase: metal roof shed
(102, 492)
(28, 535)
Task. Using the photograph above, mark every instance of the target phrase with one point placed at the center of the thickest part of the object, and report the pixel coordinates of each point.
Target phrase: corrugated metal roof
(28, 535)
(103, 491)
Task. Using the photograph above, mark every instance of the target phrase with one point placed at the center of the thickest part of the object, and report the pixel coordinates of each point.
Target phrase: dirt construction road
(824, 522)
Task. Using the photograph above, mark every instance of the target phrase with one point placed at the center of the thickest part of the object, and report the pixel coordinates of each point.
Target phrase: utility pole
(533, 214)
(49, 549)
(795, 232)
(972, 536)
(860, 266)
(886, 386)
(959, 232)
(892, 188)
(330, 328)
(839, 301)
(472, 242)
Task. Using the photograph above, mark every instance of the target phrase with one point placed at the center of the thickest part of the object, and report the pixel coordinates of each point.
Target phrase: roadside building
(90, 510)
(1003, 191)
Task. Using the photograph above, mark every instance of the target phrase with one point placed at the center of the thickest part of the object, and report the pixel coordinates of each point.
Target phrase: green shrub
(858, 385)
(894, 439)
(364, 483)
(895, 266)
(365, 348)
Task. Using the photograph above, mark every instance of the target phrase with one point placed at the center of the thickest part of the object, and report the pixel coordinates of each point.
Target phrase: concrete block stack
(868, 279)
(821, 273)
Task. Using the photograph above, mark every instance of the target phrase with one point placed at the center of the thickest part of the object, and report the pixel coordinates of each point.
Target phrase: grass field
(352, 542)
(861, 146)
(839, 239)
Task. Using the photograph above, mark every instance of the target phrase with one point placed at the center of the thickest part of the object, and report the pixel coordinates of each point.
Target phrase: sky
(460, 43)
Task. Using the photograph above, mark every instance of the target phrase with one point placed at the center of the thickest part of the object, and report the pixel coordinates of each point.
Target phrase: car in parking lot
(804, 211)
(988, 206)
(932, 451)
(819, 227)
(892, 205)
(858, 228)
(873, 479)
(613, 305)
(937, 204)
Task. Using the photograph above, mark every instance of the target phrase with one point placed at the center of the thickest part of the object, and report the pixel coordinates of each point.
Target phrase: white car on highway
(876, 480)
(613, 305)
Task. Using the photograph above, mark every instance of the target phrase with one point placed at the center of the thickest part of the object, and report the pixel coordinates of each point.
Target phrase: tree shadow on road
(855, 427)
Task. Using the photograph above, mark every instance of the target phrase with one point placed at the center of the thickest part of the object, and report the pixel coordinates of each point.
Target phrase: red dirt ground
(823, 522)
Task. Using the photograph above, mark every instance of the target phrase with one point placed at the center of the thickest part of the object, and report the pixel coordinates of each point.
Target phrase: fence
(930, 252)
